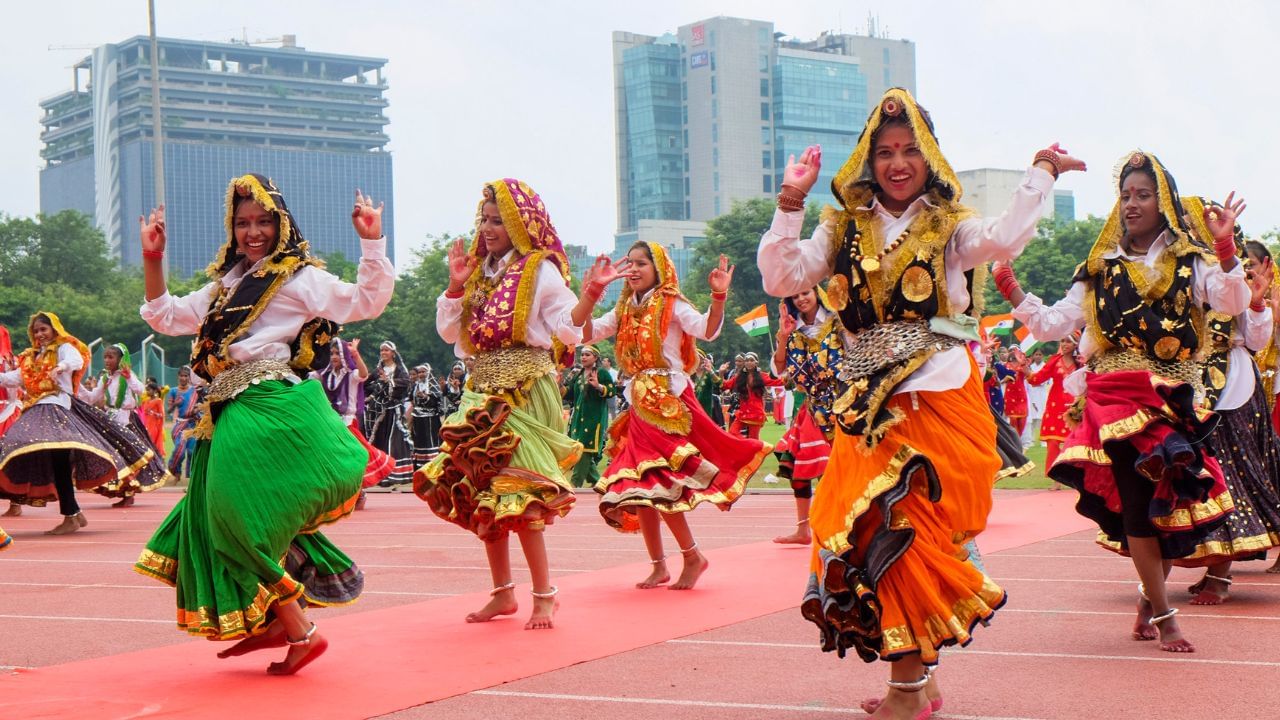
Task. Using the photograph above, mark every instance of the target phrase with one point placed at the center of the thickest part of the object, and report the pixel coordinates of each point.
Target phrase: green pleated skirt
(244, 538)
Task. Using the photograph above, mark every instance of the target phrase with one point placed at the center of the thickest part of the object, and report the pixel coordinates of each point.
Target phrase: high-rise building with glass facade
(313, 122)
(709, 114)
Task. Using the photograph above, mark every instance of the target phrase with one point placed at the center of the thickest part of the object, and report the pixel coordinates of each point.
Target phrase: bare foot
(502, 603)
(124, 502)
(66, 527)
(14, 510)
(1142, 627)
(1274, 569)
(1209, 592)
(931, 691)
(695, 563)
(796, 538)
(300, 656)
(544, 613)
(1171, 639)
(361, 500)
(898, 705)
(272, 638)
(660, 576)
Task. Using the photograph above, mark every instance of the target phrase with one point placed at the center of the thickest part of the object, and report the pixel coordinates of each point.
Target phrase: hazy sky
(525, 89)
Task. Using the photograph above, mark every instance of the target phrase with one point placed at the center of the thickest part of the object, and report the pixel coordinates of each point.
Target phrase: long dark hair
(747, 381)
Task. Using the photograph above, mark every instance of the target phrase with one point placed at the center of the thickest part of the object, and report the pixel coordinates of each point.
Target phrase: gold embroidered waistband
(233, 381)
(1188, 371)
(873, 349)
(509, 368)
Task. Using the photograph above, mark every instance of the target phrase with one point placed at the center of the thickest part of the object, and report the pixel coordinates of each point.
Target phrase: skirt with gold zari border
(244, 538)
(1157, 419)
(673, 473)
(5, 540)
(502, 467)
(890, 576)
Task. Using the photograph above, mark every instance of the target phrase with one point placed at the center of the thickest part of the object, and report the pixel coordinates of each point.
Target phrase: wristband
(1224, 248)
(1258, 305)
(719, 296)
(449, 293)
(1006, 282)
(790, 199)
(153, 254)
(1052, 158)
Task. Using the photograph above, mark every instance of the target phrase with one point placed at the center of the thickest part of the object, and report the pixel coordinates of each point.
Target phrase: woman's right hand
(603, 271)
(461, 265)
(152, 230)
(786, 323)
(803, 173)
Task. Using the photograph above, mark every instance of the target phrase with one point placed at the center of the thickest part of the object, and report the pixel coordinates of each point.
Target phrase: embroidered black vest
(813, 364)
(1155, 317)
(1217, 361)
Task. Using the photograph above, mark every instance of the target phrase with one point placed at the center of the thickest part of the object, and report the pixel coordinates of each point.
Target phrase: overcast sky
(525, 89)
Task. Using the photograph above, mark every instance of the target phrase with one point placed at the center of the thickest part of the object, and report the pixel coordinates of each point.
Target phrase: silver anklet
(691, 548)
(1224, 580)
(912, 686)
(306, 639)
(802, 522)
(1166, 616)
(659, 561)
(546, 595)
(501, 589)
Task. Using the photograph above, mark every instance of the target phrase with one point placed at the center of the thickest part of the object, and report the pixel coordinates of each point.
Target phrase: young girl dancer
(426, 408)
(504, 454)
(273, 462)
(117, 392)
(911, 471)
(386, 391)
(665, 455)
(343, 380)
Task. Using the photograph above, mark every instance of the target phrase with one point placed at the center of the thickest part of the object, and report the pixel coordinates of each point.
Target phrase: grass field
(1034, 480)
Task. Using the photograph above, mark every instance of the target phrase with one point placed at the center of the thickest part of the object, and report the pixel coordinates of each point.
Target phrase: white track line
(712, 704)
(1091, 581)
(1006, 653)
(362, 565)
(158, 586)
(1184, 615)
(79, 618)
(370, 547)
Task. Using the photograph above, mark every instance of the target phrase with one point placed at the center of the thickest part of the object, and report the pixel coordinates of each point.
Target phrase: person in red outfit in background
(1053, 428)
(1015, 390)
(749, 386)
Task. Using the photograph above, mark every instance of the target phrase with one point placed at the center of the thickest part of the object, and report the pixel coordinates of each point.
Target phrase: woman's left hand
(1259, 277)
(1221, 220)
(721, 276)
(366, 219)
(1067, 162)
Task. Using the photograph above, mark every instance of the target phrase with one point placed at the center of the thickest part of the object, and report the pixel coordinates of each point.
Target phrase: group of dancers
(1170, 432)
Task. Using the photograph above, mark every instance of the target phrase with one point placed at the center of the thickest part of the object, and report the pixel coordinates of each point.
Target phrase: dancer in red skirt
(749, 386)
(1053, 426)
(809, 349)
(1015, 390)
(666, 455)
(1138, 456)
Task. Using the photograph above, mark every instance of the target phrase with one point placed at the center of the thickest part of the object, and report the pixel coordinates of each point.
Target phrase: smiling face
(256, 230)
(1140, 205)
(388, 355)
(111, 359)
(643, 274)
(898, 166)
(806, 303)
(492, 231)
(43, 332)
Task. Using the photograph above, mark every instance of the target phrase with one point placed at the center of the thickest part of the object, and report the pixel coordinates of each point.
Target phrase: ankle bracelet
(1225, 580)
(912, 686)
(306, 639)
(802, 522)
(501, 589)
(546, 595)
(659, 561)
(691, 548)
(1166, 616)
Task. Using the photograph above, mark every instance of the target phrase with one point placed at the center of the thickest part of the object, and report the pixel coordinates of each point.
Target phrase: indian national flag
(1004, 325)
(754, 321)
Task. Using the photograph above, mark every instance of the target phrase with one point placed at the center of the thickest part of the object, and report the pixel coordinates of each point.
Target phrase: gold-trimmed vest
(1217, 358)
(813, 364)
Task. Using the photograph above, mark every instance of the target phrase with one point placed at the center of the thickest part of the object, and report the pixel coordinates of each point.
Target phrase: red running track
(733, 648)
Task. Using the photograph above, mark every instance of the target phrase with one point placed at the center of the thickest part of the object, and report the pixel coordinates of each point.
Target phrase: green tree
(1049, 261)
(62, 248)
(736, 235)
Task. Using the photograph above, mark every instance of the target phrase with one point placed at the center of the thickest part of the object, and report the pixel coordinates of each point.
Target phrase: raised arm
(327, 296)
(788, 264)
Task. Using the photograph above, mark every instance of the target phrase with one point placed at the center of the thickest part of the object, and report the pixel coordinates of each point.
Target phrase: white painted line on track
(78, 618)
(159, 586)
(1091, 581)
(713, 704)
(346, 546)
(1184, 615)
(362, 565)
(1008, 653)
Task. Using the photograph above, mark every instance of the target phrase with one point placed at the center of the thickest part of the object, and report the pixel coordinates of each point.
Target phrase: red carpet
(387, 660)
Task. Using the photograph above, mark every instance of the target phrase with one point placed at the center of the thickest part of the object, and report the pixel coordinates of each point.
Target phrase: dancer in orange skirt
(913, 461)
(666, 456)
(1137, 456)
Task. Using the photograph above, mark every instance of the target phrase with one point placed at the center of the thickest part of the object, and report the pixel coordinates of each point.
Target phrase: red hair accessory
(891, 107)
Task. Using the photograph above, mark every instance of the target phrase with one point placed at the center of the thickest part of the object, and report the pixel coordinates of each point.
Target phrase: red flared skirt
(671, 473)
(380, 464)
(807, 445)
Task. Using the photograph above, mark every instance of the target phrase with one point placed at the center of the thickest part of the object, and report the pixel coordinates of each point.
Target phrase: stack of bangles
(1006, 282)
(719, 297)
(593, 291)
(790, 199)
(153, 254)
(1051, 157)
(1224, 247)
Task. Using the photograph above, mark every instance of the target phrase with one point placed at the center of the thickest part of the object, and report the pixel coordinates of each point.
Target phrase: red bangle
(1224, 247)
(721, 296)
(1050, 157)
(1006, 282)
(1258, 306)
(153, 254)
(452, 295)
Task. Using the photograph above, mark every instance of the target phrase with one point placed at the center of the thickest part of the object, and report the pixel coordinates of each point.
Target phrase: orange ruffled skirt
(890, 576)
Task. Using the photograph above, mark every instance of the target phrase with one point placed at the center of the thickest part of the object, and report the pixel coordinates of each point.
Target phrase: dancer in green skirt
(504, 454)
(272, 461)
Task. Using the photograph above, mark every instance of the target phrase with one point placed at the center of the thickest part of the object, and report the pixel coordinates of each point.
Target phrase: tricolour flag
(996, 324)
(754, 321)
